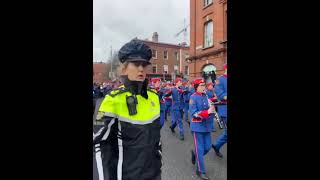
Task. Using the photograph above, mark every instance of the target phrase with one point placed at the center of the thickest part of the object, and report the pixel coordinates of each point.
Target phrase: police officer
(156, 82)
(201, 126)
(128, 146)
(221, 91)
(176, 118)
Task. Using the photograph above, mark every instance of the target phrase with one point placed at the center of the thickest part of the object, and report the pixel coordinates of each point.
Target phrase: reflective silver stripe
(105, 136)
(131, 120)
(97, 148)
(138, 122)
(98, 133)
(110, 114)
(120, 160)
(99, 164)
(98, 152)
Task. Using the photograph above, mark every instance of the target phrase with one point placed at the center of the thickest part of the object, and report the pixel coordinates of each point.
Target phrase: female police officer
(128, 146)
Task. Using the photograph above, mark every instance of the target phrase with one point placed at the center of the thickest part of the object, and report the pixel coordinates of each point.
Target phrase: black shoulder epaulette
(117, 91)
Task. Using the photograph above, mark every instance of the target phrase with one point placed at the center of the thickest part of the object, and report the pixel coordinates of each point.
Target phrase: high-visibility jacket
(128, 146)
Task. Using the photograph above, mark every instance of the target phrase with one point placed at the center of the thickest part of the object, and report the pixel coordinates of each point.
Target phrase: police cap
(135, 50)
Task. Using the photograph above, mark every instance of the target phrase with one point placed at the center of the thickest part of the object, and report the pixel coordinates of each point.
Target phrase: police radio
(132, 104)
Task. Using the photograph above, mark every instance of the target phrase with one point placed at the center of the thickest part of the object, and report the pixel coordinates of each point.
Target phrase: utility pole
(111, 72)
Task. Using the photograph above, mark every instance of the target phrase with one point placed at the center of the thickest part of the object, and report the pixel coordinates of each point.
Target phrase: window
(176, 55)
(154, 68)
(165, 54)
(186, 70)
(154, 54)
(206, 2)
(208, 34)
(165, 69)
(175, 68)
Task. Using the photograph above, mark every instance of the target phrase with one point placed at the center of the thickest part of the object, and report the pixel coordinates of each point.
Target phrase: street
(177, 157)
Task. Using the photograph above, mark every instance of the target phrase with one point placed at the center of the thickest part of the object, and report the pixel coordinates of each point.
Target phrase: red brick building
(208, 36)
(101, 72)
(168, 60)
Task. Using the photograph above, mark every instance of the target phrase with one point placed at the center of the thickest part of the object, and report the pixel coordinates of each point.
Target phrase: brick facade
(159, 61)
(101, 72)
(216, 12)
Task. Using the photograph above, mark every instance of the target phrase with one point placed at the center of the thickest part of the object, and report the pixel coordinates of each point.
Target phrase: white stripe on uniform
(105, 136)
(120, 160)
(98, 154)
(99, 164)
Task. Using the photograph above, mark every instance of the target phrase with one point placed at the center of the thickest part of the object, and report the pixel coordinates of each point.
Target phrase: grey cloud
(117, 22)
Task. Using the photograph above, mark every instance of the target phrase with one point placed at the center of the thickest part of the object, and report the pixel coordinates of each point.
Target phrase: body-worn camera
(132, 104)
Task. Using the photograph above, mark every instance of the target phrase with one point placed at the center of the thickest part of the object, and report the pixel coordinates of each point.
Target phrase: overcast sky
(116, 22)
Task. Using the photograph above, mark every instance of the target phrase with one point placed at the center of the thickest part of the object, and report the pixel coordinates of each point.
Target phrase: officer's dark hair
(124, 66)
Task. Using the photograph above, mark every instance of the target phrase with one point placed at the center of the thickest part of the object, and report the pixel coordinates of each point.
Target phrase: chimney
(155, 37)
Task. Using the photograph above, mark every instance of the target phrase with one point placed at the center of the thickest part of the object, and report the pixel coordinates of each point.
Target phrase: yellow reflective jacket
(130, 145)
